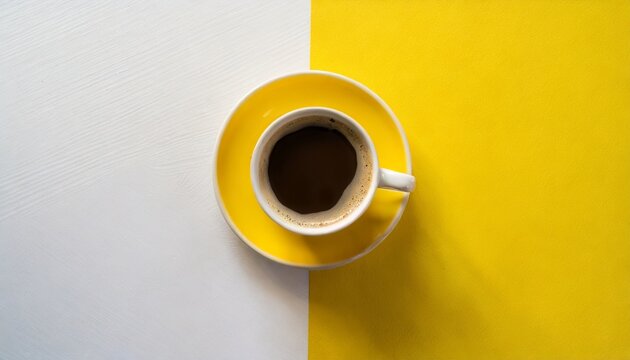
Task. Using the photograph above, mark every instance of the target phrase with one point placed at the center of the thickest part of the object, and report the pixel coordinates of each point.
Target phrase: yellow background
(516, 243)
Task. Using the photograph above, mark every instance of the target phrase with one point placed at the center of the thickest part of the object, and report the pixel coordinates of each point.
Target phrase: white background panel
(111, 242)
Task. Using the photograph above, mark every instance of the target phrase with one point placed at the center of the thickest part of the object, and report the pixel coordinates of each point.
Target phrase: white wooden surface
(111, 243)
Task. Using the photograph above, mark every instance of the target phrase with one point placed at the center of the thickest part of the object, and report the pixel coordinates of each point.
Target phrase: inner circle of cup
(257, 162)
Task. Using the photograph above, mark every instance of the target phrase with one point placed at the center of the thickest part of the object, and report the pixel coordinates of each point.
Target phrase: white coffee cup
(357, 196)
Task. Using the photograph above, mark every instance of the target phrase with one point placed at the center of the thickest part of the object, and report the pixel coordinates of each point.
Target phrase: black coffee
(309, 169)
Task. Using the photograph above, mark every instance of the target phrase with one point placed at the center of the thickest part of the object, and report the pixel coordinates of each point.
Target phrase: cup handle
(394, 180)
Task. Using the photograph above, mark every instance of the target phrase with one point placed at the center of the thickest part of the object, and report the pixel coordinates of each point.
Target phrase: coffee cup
(315, 171)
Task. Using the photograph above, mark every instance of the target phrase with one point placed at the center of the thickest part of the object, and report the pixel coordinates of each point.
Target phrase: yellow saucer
(236, 143)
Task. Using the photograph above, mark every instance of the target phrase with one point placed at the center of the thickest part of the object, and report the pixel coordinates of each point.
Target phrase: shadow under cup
(351, 203)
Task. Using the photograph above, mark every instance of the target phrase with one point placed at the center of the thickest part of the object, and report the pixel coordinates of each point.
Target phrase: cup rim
(257, 157)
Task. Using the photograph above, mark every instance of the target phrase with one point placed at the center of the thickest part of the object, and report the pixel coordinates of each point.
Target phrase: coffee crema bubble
(316, 171)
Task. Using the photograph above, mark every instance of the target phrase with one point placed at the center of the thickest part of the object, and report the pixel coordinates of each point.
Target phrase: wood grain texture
(111, 242)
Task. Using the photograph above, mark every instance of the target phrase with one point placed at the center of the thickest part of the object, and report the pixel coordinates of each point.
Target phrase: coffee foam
(353, 195)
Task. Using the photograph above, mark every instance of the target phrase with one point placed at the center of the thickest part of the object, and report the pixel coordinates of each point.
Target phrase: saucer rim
(234, 227)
